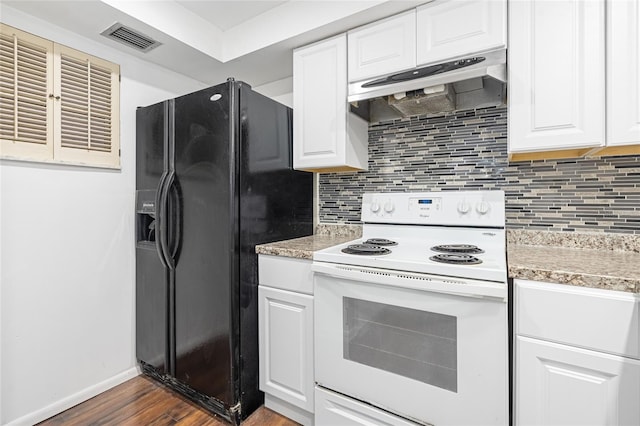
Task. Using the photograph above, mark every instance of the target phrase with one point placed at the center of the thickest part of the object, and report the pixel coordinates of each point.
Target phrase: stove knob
(482, 207)
(389, 207)
(375, 207)
(463, 207)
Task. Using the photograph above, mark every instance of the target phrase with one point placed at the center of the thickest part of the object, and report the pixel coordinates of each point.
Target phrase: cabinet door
(286, 346)
(319, 104)
(562, 385)
(623, 72)
(447, 29)
(556, 75)
(383, 47)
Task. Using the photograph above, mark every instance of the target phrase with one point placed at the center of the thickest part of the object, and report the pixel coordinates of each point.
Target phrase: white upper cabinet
(448, 28)
(326, 135)
(382, 47)
(556, 76)
(568, 95)
(623, 72)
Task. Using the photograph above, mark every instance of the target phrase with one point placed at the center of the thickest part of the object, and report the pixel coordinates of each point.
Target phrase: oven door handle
(416, 281)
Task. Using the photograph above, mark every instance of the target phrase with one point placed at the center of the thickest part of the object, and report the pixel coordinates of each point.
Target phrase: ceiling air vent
(130, 37)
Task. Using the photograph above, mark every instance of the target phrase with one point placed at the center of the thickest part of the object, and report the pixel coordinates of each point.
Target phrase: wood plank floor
(142, 401)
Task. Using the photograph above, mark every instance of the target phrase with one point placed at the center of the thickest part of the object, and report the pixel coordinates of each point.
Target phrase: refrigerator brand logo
(147, 205)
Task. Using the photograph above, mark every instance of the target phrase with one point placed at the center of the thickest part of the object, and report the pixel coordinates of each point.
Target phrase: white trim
(287, 409)
(75, 399)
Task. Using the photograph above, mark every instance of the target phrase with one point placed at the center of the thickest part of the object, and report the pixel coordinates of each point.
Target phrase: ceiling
(228, 14)
(212, 40)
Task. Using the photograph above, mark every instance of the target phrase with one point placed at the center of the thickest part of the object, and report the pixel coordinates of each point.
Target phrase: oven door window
(409, 342)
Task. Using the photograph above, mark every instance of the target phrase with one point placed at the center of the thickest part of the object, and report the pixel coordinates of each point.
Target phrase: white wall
(67, 279)
(279, 90)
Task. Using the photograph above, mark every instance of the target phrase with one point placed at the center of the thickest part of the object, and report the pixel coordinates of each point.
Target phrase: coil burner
(380, 242)
(456, 259)
(366, 250)
(457, 248)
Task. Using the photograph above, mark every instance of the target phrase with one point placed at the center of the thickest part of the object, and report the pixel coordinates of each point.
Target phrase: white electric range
(411, 319)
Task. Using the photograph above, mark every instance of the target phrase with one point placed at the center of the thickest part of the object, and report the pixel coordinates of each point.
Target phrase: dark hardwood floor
(142, 401)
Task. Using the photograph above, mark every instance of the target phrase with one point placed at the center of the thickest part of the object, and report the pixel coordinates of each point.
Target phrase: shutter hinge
(119, 152)
(120, 78)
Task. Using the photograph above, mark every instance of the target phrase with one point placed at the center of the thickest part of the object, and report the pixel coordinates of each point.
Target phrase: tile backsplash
(468, 150)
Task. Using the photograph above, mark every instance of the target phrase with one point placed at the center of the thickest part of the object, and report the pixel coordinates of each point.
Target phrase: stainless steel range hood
(472, 81)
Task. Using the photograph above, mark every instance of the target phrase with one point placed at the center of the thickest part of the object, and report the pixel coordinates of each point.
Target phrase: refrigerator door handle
(174, 191)
(160, 219)
(163, 237)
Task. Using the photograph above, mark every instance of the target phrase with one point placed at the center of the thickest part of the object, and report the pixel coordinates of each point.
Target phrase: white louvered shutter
(26, 119)
(87, 119)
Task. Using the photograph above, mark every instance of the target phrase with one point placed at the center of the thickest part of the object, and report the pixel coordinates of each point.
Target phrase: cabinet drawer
(336, 409)
(285, 273)
(602, 320)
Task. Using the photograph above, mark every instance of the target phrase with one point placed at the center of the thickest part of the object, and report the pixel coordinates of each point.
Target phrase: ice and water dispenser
(146, 217)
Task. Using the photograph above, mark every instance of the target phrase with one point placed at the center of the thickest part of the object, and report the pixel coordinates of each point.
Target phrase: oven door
(401, 342)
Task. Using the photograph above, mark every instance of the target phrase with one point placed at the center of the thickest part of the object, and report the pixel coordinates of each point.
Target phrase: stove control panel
(425, 206)
(453, 208)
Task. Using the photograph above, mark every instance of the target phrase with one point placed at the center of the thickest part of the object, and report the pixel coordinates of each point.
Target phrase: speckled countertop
(588, 260)
(604, 261)
(607, 269)
(303, 248)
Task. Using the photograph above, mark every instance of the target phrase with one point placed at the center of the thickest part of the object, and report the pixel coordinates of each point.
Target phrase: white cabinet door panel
(326, 136)
(556, 75)
(286, 346)
(562, 385)
(383, 47)
(319, 103)
(447, 29)
(623, 72)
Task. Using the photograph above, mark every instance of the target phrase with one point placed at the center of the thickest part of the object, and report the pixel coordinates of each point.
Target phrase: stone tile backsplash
(468, 150)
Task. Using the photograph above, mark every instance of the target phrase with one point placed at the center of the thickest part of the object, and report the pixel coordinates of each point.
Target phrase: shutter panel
(87, 113)
(26, 121)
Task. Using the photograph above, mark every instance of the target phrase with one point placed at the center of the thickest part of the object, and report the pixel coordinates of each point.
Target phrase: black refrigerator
(214, 178)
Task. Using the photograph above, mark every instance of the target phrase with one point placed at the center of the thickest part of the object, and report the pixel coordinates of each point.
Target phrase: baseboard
(289, 410)
(75, 399)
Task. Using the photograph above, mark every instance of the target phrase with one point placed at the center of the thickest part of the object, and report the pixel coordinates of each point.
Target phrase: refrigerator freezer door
(151, 276)
(205, 258)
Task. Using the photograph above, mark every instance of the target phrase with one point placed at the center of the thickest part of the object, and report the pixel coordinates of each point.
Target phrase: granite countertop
(596, 260)
(588, 260)
(596, 268)
(301, 248)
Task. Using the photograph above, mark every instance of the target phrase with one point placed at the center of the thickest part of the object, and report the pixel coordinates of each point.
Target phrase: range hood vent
(464, 83)
(130, 37)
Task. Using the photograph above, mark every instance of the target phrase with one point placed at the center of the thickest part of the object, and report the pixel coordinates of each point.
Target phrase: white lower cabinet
(334, 409)
(286, 337)
(564, 385)
(585, 377)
